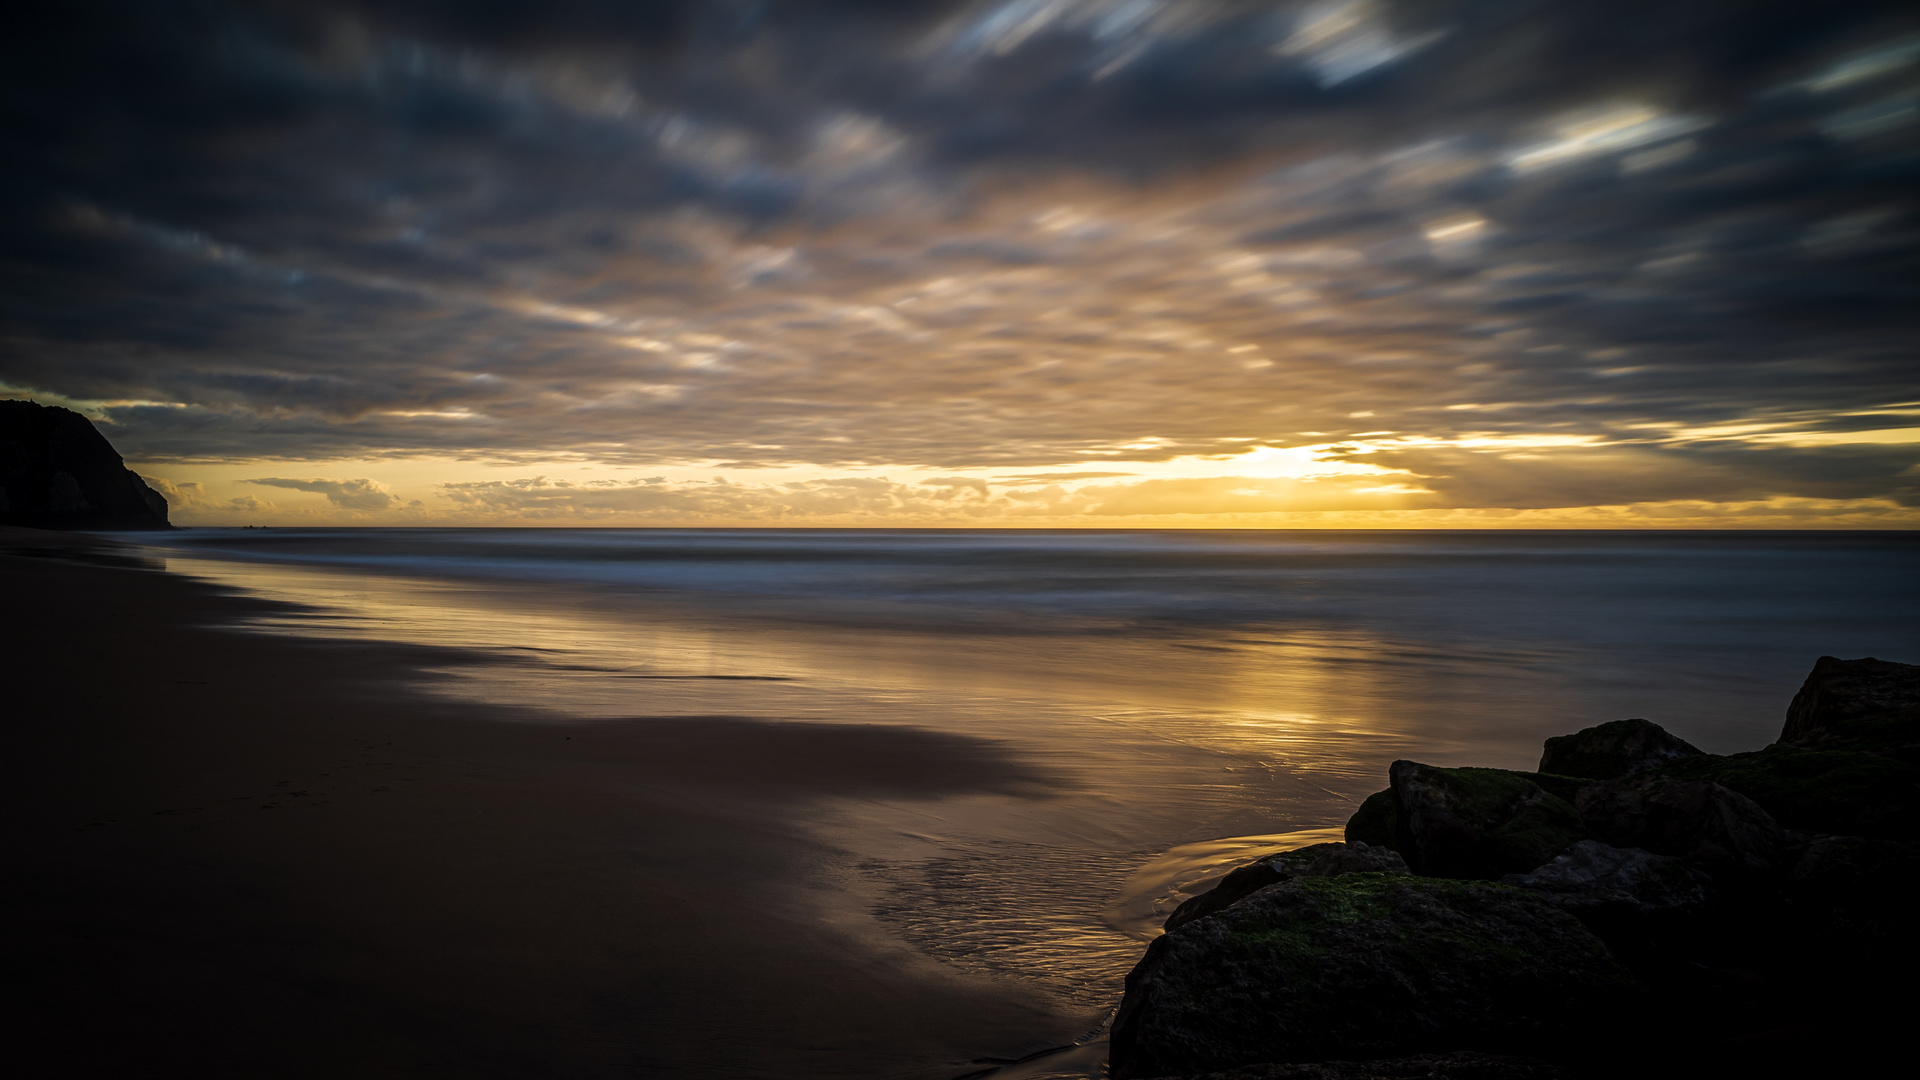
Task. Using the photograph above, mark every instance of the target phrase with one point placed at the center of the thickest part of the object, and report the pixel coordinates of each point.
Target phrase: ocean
(1192, 698)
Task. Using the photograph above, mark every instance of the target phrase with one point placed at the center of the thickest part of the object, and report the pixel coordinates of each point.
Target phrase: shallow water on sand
(1194, 698)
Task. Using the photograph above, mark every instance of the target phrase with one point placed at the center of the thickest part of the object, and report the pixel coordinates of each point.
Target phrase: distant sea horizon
(1763, 604)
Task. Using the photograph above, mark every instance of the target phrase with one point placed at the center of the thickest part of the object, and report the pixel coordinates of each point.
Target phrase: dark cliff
(58, 472)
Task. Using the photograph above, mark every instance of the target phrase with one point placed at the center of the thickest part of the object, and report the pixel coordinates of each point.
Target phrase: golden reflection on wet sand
(1158, 746)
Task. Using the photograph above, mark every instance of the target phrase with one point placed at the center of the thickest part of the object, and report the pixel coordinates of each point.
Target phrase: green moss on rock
(1500, 806)
(1480, 823)
(1363, 964)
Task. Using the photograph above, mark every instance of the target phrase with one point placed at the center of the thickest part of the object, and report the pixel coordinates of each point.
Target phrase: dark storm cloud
(1010, 233)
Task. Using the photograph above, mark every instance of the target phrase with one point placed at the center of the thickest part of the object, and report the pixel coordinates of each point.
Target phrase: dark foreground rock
(1477, 823)
(1458, 1066)
(1366, 966)
(1644, 906)
(1375, 821)
(1599, 882)
(58, 472)
(1848, 759)
(1317, 860)
(1864, 704)
(1840, 791)
(1718, 829)
(1613, 749)
(1854, 897)
(1739, 915)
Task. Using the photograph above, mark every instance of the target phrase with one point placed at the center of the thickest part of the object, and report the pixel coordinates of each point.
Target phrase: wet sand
(234, 854)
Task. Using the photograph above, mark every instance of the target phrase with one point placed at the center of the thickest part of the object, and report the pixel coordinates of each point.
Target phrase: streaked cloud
(997, 261)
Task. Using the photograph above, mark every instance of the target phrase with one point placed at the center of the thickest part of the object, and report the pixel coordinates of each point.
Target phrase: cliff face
(58, 472)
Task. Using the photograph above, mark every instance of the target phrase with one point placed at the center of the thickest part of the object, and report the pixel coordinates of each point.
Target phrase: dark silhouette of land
(58, 472)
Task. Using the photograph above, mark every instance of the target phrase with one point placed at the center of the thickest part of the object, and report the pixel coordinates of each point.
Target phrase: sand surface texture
(243, 855)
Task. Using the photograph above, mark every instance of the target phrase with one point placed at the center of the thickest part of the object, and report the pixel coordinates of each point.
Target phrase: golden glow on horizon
(1258, 487)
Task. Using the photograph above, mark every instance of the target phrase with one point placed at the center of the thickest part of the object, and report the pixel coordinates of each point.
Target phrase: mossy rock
(1614, 749)
(1481, 823)
(1556, 784)
(1864, 704)
(1367, 965)
(1315, 860)
(1493, 801)
(1848, 792)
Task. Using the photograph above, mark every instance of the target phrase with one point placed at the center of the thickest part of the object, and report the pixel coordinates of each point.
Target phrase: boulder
(1855, 895)
(1620, 892)
(1374, 822)
(1865, 704)
(1366, 965)
(1317, 860)
(1847, 792)
(1455, 1066)
(1477, 823)
(1613, 749)
(58, 472)
(1723, 831)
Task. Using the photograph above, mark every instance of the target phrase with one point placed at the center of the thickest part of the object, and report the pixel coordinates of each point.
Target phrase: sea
(1196, 697)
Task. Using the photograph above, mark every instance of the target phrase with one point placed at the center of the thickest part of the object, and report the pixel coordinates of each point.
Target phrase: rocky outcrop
(1848, 759)
(1477, 823)
(1375, 821)
(1620, 892)
(1613, 749)
(1726, 885)
(1366, 965)
(1849, 792)
(1455, 1066)
(1856, 894)
(1318, 860)
(1863, 704)
(58, 472)
(1714, 826)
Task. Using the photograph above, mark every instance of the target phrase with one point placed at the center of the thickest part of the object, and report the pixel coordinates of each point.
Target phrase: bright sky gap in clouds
(993, 263)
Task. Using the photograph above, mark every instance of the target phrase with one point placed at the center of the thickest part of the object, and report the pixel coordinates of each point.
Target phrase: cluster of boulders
(1635, 906)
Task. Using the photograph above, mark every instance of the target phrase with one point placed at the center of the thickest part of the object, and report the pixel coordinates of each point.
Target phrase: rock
(1377, 821)
(1847, 792)
(1725, 832)
(1366, 965)
(1456, 1066)
(1317, 860)
(1374, 822)
(1619, 891)
(1613, 749)
(58, 472)
(1355, 859)
(1862, 704)
(1477, 823)
(1856, 895)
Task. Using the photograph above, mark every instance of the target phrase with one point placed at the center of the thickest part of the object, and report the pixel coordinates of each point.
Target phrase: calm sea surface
(1199, 696)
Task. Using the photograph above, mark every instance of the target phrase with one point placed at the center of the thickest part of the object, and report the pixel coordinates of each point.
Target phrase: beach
(235, 854)
(596, 802)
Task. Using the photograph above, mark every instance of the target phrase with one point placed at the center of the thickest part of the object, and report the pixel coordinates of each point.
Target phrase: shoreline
(243, 852)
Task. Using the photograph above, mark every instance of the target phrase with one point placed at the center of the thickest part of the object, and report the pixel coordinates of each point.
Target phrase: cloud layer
(1486, 255)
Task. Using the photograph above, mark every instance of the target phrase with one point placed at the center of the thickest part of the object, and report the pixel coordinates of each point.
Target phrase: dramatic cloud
(1003, 261)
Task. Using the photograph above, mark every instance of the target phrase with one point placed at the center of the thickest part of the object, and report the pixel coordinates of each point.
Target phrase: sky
(997, 263)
